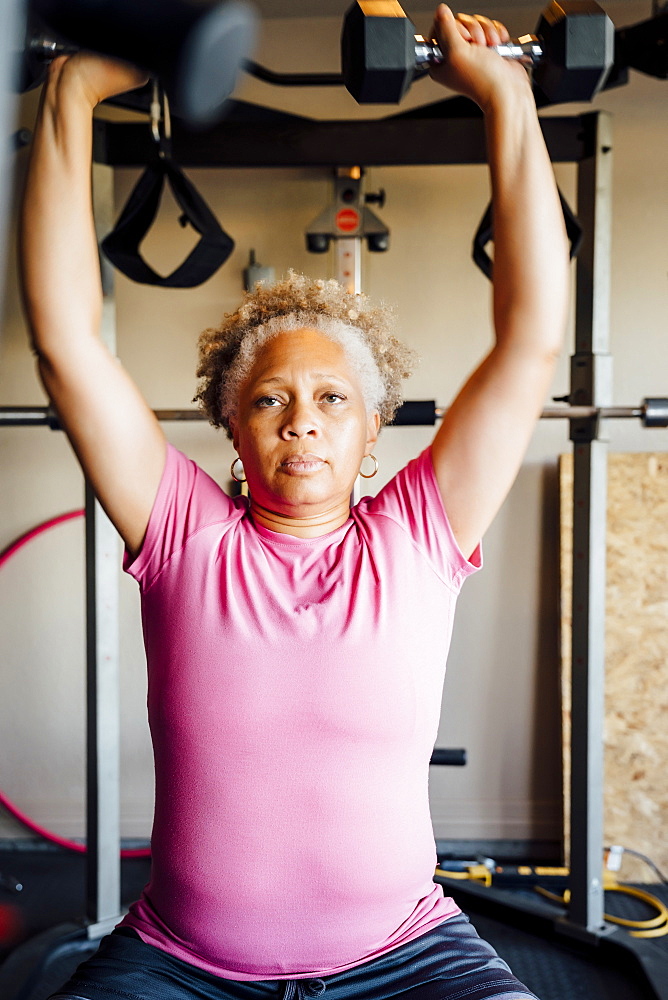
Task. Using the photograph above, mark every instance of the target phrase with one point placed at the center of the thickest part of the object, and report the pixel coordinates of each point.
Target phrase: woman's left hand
(469, 67)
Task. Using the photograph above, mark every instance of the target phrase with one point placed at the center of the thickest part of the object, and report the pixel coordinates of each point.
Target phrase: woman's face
(301, 427)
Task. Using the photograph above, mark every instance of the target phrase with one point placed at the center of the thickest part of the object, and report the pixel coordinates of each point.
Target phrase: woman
(295, 646)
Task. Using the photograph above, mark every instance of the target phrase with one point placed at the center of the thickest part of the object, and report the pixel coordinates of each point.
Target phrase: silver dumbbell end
(654, 412)
(44, 47)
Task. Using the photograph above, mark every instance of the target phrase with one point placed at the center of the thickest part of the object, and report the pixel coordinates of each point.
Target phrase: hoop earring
(370, 475)
(233, 474)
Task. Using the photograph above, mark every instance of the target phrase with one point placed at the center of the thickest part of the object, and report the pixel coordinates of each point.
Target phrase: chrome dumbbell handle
(527, 49)
(44, 47)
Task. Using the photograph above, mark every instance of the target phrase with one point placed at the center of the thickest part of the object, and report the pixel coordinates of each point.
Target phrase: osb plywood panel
(636, 708)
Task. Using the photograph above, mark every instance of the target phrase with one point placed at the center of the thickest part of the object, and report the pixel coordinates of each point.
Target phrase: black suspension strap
(122, 244)
(485, 234)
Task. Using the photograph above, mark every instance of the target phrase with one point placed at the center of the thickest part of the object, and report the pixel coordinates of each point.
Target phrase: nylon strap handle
(122, 244)
(485, 234)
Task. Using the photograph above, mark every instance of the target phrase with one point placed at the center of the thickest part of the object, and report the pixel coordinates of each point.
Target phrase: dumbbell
(571, 51)
(195, 47)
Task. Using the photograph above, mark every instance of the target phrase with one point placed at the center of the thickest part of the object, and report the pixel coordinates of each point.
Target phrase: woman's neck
(301, 527)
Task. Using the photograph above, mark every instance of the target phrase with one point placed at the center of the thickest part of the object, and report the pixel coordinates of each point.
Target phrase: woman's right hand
(470, 66)
(97, 77)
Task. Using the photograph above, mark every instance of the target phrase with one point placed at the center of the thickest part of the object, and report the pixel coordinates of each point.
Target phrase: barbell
(571, 51)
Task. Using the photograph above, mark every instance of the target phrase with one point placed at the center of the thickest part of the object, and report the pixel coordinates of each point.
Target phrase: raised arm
(480, 445)
(115, 435)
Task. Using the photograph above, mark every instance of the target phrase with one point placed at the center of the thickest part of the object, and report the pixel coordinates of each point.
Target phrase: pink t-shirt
(294, 697)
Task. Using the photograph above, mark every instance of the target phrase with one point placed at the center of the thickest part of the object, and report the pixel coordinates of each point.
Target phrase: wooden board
(636, 713)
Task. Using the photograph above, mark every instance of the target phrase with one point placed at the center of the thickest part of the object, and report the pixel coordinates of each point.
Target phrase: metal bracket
(564, 926)
(347, 221)
(591, 384)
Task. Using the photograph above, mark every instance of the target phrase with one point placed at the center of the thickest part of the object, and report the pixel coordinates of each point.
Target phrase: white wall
(501, 696)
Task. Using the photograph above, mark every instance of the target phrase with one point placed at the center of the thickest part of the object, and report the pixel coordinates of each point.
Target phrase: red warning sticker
(347, 220)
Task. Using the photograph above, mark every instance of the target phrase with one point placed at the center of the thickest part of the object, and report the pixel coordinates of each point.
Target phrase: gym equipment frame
(447, 132)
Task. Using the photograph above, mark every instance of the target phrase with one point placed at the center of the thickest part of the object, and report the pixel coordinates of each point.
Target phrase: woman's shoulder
(188, 501)
(406, 494)
(184, 480)
(412, 503)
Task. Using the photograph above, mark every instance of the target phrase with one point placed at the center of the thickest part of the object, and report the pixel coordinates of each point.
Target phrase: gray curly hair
(227, 352)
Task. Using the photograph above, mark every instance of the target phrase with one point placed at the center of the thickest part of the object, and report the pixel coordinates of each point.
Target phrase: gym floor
(54, 894)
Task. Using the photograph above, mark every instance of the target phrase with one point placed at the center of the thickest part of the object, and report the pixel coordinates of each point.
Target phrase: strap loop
(122, 244)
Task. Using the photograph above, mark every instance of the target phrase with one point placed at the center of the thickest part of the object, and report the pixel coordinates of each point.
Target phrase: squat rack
(445, 133)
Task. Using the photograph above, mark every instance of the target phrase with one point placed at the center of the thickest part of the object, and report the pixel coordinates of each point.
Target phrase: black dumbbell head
(578, 41)
(377, 52)
(30, 66)
(195, 47)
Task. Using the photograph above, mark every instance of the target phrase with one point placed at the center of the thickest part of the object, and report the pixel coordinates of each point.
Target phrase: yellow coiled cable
(653, 927)
(476, 873)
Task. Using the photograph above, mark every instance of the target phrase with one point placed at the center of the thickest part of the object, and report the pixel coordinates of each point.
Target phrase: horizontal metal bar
(29, 416)
(428, 138)
(549, 413)
(171, 415)
(590, 412)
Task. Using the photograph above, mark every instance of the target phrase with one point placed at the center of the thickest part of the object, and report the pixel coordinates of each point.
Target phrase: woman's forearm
(58, 248)
(530, 245)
